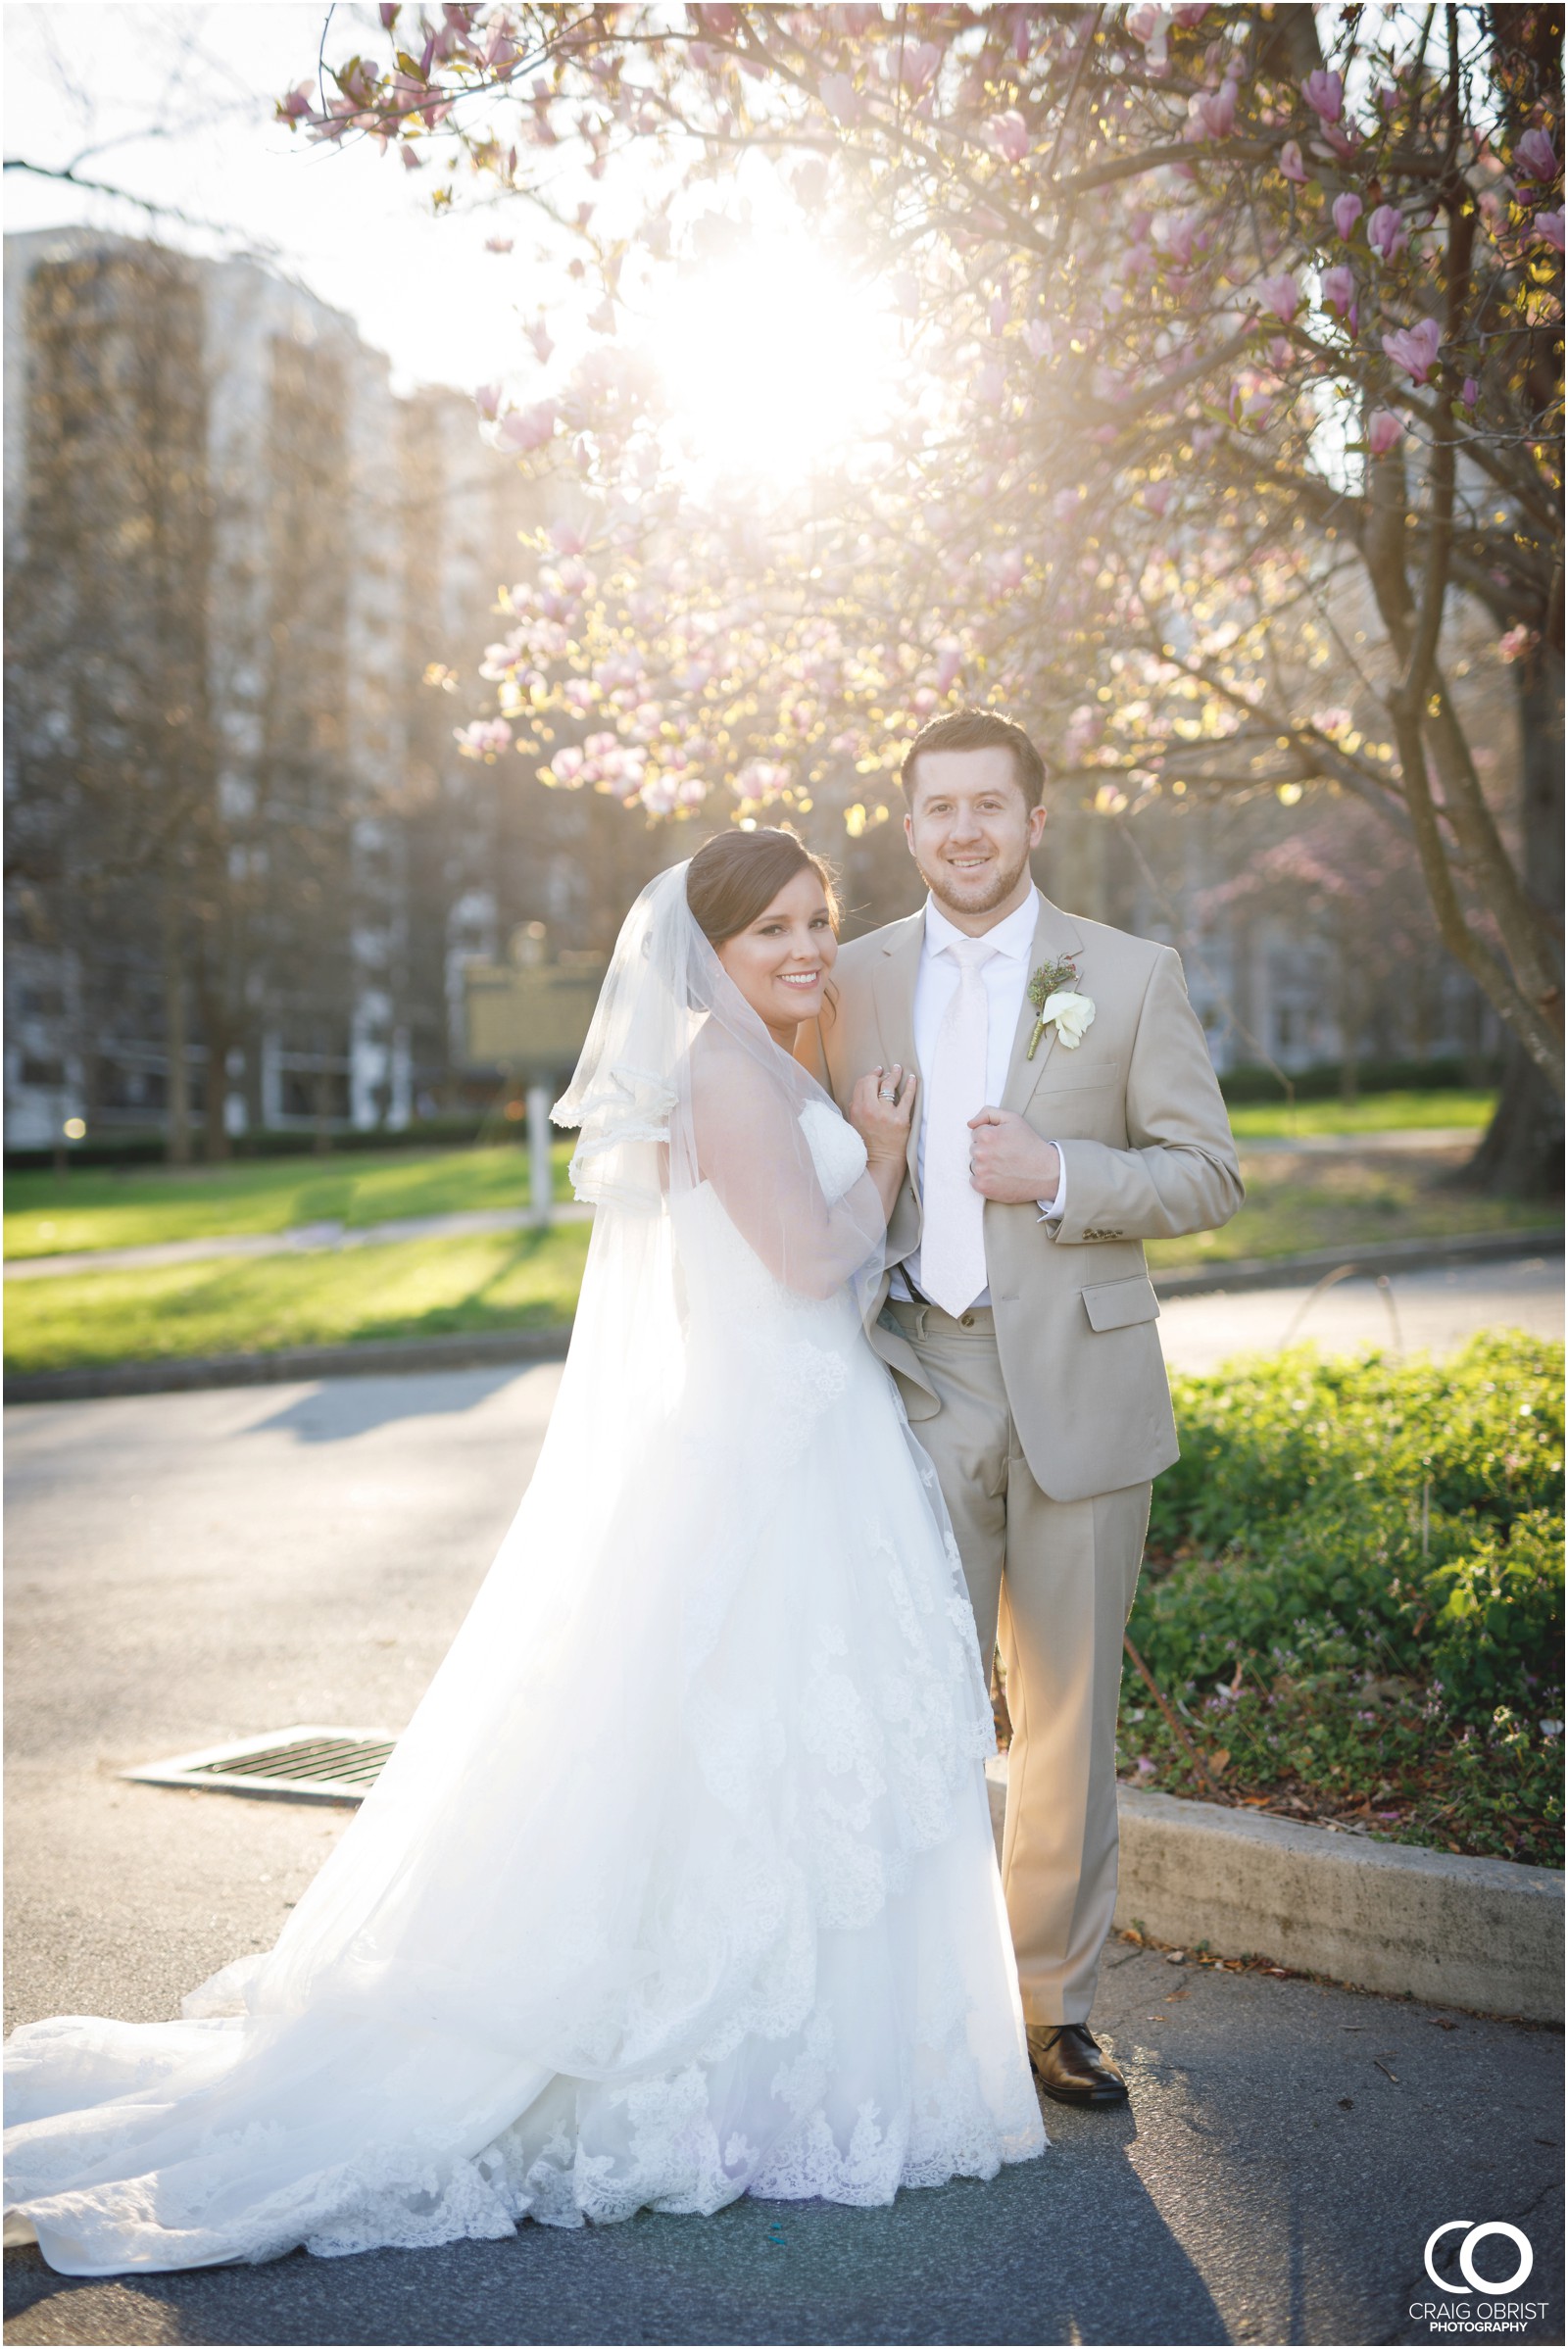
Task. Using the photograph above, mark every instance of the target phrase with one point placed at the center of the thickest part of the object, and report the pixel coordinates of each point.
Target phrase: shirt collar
(1014, 937)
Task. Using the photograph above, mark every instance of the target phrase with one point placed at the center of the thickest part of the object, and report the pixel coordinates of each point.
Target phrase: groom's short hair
(979, 730)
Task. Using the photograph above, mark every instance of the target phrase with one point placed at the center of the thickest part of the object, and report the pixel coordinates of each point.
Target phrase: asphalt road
(186, 1568)
(1418, 1312)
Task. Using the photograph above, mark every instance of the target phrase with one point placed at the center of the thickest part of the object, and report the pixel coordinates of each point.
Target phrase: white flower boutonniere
(1053, 992)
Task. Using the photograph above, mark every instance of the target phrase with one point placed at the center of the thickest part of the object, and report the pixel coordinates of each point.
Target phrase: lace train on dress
(751, 1939)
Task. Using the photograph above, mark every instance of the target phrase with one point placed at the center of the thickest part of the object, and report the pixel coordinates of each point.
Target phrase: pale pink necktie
(953, 1246)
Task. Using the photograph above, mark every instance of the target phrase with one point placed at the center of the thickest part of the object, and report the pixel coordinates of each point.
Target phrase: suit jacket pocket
(1077, 1076)
(1115, 1304)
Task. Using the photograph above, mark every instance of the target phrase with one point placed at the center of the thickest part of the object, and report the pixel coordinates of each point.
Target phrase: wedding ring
(889, 1093)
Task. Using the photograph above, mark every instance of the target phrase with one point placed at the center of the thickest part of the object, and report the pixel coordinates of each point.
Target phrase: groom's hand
(1008, 1161)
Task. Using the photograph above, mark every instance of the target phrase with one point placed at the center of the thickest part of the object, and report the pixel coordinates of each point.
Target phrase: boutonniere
(1053, 992)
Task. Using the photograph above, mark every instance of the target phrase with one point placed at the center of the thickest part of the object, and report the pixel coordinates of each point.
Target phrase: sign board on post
(531, 1018)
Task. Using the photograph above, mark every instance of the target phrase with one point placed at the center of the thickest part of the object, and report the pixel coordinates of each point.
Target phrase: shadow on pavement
(1068, 2248)
(336, 1409)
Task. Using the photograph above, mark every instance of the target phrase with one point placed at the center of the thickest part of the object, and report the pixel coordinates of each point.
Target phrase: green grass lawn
(411, 1289)
(425, 1287)
(103, 1207)
(94, 1207)
(1295, 1203)
(1373, 1113)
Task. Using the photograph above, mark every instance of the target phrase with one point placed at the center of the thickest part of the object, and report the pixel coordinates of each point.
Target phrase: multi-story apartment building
(245, 857)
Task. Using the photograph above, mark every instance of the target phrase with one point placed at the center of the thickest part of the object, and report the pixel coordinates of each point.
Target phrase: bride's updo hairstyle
(736, 875)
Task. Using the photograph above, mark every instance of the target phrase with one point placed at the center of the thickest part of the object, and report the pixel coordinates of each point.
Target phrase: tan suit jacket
(1137, 1114)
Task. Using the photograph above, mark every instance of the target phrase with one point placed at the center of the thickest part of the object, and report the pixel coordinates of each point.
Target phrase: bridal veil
(655, 1899)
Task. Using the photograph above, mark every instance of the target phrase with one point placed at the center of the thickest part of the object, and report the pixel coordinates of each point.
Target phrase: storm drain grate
(302, 1764)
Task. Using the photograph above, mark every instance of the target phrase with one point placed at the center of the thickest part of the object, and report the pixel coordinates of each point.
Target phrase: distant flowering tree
(1225, 329)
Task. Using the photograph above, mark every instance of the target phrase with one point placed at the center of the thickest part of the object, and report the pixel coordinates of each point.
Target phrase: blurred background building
(248, 587)
(246, 862)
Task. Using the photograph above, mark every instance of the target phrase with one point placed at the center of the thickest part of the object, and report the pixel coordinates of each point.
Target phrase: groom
(1017, 1318)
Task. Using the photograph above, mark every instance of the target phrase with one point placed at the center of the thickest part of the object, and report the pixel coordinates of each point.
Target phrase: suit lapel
(1056, 935)
(896, 969)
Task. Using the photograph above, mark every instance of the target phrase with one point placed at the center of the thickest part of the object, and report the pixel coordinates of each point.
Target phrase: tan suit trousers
(1054, 1581)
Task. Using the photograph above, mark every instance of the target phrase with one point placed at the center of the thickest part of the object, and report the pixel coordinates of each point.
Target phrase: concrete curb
(1484, 1934)
(482, 1350)
(1390, 1256)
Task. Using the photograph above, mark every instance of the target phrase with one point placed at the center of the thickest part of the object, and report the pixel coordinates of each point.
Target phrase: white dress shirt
(1006, 980)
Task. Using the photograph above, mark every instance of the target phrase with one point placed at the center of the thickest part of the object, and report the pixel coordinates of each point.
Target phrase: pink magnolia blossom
(542, 340)
(1157, 496)
(1547, 231)
(1292, 166)
(1340, 139)
(1338, 286)
(1085, 726)
(1175, 233)
(1281, 353)
(1536, 157)
(1190, 14)
(1382, 431)
(999, 314)
(1009, 133)
(498, 244)
(526, 429)
(1470, 392)
(1325, 94)
(916, 64)
(1148, 28)
(991, 385)
(296, 105)
(1281, 295)
(840, 96)
(567, 538)
(1040, 340)
(1346, 211)
(487, 400)
(1389, 97)
(1211, 114)
(484, 738)
(1516, 644)
(388, 14)
(412, 161)
(1416, 348)
(1387, 232)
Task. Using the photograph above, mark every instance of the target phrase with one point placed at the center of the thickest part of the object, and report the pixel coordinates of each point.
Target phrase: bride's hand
(881, 1108)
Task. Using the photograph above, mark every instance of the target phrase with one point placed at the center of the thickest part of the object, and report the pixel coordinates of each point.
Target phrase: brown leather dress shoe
(1069, 2065)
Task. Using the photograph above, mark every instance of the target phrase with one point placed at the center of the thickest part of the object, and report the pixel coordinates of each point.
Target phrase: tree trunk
(322, 1140)
(1521, 1153)
(177, 1082)
(214, 1027)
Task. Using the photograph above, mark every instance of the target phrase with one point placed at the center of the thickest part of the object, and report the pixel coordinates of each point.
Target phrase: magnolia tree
(1230, 347)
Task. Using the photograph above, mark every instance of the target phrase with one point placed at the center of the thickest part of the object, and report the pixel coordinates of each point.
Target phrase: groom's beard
(983, 897)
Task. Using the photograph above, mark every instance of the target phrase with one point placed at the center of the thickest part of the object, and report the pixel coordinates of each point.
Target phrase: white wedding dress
(741, 1934)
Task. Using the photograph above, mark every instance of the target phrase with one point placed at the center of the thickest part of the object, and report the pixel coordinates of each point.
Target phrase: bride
(750, 1938)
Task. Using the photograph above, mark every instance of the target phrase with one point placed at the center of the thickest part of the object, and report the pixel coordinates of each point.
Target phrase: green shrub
(1355, 1583)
